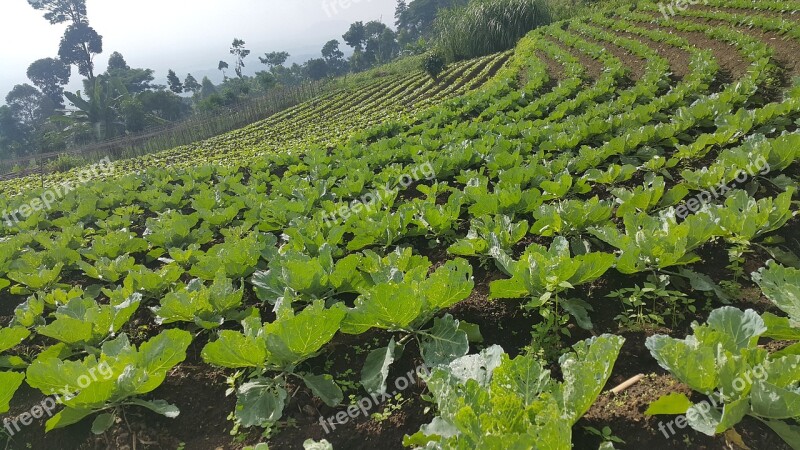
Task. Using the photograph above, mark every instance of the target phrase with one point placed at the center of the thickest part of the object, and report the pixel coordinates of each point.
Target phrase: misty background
(185, 35)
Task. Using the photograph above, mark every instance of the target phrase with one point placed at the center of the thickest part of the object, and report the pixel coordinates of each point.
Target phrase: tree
(60, 11)
(274, 59)
(13, 137)
(356, 36)
(117, 62)
(238, 50)
(79, 45)
(316, 68)
(383, 46)
(50, 75)
(208, 89)
(266, 80)
(174, 82)
(163, 105)
(221, 67)
(415, 20)
(24, 101)
(190, 84)
(135, 80)
(334, 58)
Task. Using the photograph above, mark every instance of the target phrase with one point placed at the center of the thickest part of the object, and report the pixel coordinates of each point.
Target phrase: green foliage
(722, 359)
(493, 402)
(433, 65)
(116, 378)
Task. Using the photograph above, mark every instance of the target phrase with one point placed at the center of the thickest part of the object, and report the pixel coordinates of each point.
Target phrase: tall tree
(208, 89)
(274, 59)
(174, 82)
(13, 137)
(117, 62)
(356, 36)
(316, 68)
(50, 75)
(79, 45)
(334, 58)
(25, 101)
(60, 11)
(415, 19)
(190, 84)
(221, 67)
(238, 50)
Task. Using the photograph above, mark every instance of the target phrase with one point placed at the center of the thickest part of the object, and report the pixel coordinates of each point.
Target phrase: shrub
(434, 64)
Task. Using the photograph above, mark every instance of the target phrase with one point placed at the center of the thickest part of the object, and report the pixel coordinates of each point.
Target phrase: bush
(487, 26)
(434, 64)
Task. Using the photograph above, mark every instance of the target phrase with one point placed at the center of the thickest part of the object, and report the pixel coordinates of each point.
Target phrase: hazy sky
(184, 35)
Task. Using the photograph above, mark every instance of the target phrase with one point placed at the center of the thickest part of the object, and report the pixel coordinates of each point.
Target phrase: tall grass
(487, 26)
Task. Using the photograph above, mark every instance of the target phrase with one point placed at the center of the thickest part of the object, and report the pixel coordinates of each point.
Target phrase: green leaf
(444, 342)
(773, 402)
(66, 417)
(780, 328)
(235, 350)
(376, 367)
(473, 331)
(782, 286)
(448, 285)
(158, 406)
(325, 388)
(741, 329)
(523, 377)
(789, 433)
(102, 423)
(674, 403)
(693, 365)
(160, 354)
(259, 403)
(294, 338)
(9, 383)
(586, 371)
(387, 306)
(11, 337)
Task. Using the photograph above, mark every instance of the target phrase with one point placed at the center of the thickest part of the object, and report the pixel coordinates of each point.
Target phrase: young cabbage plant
(543, 274)
(490, 401)
(722, 360)
(267, 355)
(407, 305)
(110, 381)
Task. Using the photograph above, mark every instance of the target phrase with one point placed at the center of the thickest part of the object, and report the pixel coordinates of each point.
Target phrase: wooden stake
(628, 383)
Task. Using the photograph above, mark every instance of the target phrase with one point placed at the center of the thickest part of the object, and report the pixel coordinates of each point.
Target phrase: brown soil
(635, 64)
(593, 67)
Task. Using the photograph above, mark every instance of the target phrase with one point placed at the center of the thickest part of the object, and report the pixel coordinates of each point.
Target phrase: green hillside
(472, 262)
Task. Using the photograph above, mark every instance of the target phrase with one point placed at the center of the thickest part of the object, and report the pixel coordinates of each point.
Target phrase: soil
(199, 390)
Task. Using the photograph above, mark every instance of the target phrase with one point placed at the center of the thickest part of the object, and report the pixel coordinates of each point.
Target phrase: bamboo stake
(627, 383)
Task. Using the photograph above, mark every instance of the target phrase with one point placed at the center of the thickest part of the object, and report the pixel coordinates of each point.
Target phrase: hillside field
(468, 262)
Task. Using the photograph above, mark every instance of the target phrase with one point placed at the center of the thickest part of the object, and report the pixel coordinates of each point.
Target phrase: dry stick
(627, 383)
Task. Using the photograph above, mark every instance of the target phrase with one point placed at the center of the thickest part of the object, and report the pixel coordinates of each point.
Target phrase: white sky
(184, 35)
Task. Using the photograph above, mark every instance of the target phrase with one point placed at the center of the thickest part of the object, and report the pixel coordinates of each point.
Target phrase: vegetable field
(472, 262)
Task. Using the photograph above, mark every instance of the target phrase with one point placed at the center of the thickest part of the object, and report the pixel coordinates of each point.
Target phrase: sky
(189, 36)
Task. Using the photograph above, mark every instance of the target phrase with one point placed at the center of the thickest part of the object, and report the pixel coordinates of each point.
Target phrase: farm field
(468, 262)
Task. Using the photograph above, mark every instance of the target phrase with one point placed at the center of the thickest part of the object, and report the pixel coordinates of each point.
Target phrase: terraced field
(617, 197)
